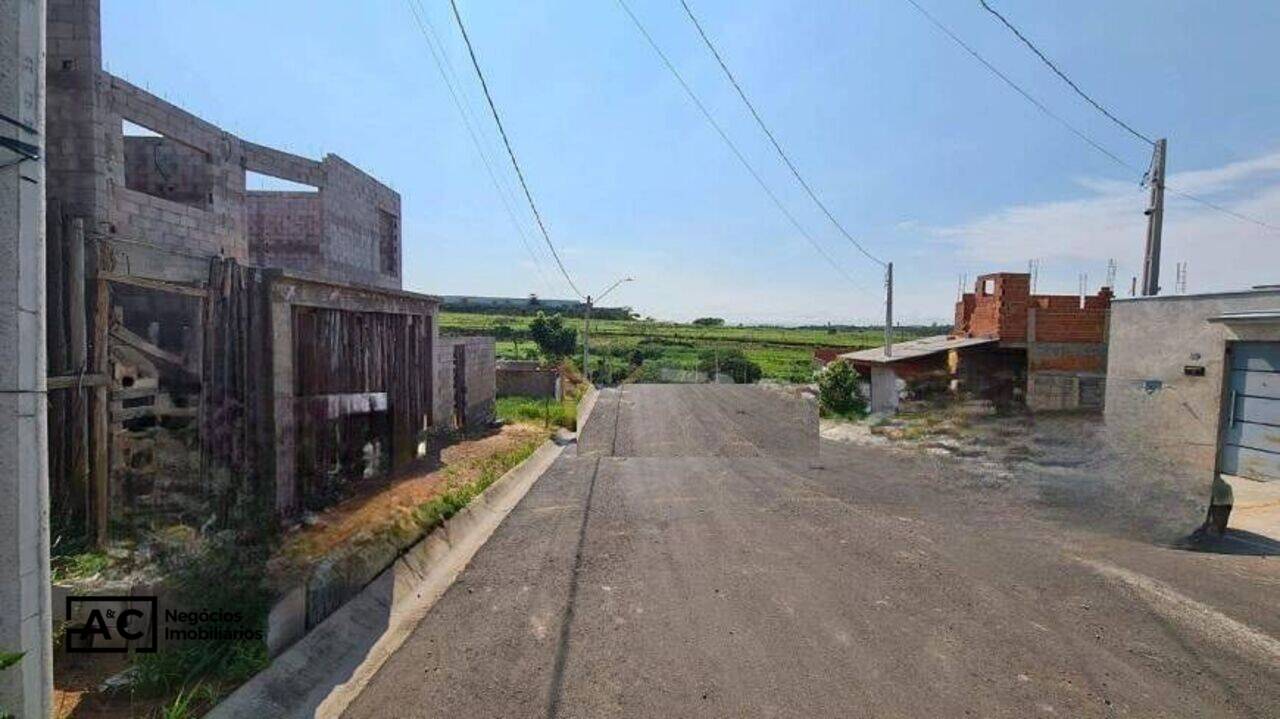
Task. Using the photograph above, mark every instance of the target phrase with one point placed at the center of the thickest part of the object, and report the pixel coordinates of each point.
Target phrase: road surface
(701, 554)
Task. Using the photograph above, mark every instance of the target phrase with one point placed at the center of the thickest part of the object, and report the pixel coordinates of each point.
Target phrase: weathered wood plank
(144, 346)
(73, 381)
(158, 285)
(100, 467)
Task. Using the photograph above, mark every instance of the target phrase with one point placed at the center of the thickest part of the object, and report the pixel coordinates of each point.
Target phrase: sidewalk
(1257, 507)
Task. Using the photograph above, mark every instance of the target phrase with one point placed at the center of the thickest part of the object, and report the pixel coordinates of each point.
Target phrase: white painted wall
(1151, 404)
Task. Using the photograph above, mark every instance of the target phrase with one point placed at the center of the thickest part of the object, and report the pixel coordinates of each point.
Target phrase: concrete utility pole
(26, 689)
(586, 326)
(888, 310)
(586, 340)
(1155, 221)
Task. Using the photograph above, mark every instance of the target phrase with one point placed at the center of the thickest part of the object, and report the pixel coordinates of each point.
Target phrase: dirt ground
(377, 504)
(1066, 460)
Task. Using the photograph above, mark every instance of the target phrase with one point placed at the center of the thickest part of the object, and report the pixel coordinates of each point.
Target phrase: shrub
(709, 322)
(218, 575)
(731, 362)
(552, 337)
(840, 390)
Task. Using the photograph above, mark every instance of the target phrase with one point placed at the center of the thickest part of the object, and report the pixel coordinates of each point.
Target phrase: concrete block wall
(75, 146)
(355, 210)
(166, 169)
(216, 227)
(1088, 357)
(442, 387)
(194, 202)
(285, 229)
(1052, 391)
(480, 380)
(1152, 405)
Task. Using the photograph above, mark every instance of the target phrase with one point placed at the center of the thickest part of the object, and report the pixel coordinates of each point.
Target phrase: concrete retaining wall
(325, 669)
(518, 379)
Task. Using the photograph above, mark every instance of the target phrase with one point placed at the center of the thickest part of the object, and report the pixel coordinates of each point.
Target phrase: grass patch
(541, 412)
(433, 512)
(217, 575)
(69, 567)
(783, 353)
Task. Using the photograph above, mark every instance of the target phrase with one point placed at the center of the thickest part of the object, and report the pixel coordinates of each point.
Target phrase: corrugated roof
(916, 348)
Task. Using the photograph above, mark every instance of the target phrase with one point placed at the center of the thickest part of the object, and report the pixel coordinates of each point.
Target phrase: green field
(620, 346)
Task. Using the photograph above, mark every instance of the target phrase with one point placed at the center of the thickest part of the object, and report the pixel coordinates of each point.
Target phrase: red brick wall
(1057, 302)
(1074, 326)
(1002, 312)
(964, 310)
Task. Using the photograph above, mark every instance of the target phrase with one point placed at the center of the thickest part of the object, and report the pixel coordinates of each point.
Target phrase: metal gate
(1251, 415)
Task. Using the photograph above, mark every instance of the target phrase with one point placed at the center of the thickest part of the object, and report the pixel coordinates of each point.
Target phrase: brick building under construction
(210, 344)
(1008, 345)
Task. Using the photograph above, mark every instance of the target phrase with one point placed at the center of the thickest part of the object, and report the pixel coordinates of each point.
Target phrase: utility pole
(1155, 221)
(586, 341)
(586, 326)
(888, 310)
(1111, 273)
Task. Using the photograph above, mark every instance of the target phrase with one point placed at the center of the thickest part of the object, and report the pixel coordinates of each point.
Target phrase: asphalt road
(701, 554)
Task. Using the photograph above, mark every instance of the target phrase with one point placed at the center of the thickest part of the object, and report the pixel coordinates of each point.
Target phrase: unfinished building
(201, 333)
(1008, 345)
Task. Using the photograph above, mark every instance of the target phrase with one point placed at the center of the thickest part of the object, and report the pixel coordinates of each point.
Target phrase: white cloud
(1222, 252)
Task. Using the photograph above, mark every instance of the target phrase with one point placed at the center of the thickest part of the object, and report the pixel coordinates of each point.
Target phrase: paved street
(701, 554)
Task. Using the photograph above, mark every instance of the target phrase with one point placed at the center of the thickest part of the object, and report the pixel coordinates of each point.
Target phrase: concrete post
(884, 389)
(26, 689)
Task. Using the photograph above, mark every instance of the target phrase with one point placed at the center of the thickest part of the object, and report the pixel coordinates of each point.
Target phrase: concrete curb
(324, 671)
(585, 407)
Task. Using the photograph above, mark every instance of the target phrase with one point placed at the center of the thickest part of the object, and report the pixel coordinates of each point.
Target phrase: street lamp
(586, 325)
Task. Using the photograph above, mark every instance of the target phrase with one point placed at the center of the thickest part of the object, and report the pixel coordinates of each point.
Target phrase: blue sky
(922, 154)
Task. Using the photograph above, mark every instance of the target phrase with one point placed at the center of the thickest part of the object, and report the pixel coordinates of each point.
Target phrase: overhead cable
(497, 119)
(772, 139)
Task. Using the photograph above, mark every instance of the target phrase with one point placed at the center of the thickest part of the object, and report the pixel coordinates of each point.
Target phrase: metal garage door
(1251, 425)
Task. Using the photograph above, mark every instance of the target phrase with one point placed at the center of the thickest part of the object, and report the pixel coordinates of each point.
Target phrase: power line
(510, 152)
(1220, 208)
(1063, 75)
(1074, 130)
(429, 34)
(733, 147)
(1026, 95)
(776, 146)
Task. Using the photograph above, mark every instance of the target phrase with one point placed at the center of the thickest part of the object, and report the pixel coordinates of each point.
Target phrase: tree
(709, 322)
(554, 340)
(731, 362)
(840, 389)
